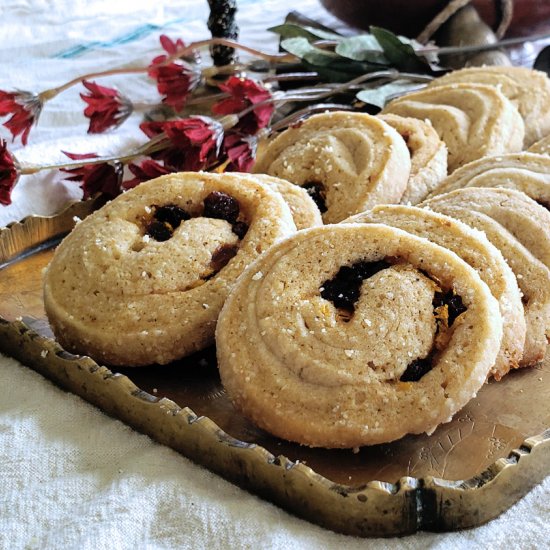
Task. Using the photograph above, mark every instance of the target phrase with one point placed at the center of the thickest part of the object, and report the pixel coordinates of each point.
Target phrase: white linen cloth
(71, 476)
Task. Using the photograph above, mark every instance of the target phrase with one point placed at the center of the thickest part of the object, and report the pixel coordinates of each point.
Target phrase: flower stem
(181, 52)
(154, 145)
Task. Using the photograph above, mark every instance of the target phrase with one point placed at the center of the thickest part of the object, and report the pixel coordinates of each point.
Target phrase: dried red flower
(244, 93)
(107, 108)
(147, 170)
(24, 108)
(193, 143)
(96, 178)
(8, 173)
(175, 80)
(241, 152)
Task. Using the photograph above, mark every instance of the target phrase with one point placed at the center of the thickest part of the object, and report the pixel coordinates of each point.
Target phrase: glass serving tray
(466, 473)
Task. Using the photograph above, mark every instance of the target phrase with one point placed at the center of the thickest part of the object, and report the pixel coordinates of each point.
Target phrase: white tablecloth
(71, 476)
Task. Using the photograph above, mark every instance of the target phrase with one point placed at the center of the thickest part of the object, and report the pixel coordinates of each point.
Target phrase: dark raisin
(221, 206)
(160, 231)
(240, 229)
(171, 214)
(344, 289)
(452, 301)
(543, 204)
(222, 255)
(317, 192)
(417, 369)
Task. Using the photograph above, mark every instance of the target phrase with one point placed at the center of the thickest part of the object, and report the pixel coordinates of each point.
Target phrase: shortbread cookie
(474, 248)
(527, 172)
(533, 277)
(528, 221)
(348, 162)
(527, 89)
(541, 147)
(356, 334)
(304, 210)
(143, 279)
(474, 120)
(428, 156)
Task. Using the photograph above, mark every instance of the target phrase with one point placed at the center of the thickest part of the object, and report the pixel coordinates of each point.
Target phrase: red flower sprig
(240, 152)
(9, 173)
(147, 170)
(175, 80)
(23, 108)
(107, 108)
(103, 178)
(244, 93)
(193, 143)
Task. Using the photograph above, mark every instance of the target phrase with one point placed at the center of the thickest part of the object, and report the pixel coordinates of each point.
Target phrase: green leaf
(399, 52)
(291, 30)
(301, 48)
(363, 47)
(379, 96)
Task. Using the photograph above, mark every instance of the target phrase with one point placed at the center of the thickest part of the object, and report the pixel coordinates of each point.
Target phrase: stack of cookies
(383, 322)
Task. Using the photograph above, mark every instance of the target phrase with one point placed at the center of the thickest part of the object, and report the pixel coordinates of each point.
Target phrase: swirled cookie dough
(143, 279)
(474, 248)
(527, 89)
(348, 162)
(474, 120)
(337, 336)
(428, 156)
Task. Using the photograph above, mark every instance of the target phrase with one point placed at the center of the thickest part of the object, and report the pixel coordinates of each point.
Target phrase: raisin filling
(453, 303)
(221, 257)
(317, 192)
(447, 307)
(344, 289)
(417, 369)
(225, 207)
(165, 220)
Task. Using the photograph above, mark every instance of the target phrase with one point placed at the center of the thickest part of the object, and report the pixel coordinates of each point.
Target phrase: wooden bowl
(410, 17)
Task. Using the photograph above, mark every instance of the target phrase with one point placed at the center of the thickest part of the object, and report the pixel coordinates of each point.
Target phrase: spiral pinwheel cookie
(527, 89)
(474, 248)
(533, 277)
(348, 162)
(515, 211)
(474, 120)
(541, 147)
(143, 279)
(527, 172)
(355, 334)
(304, 210)
(428, 156)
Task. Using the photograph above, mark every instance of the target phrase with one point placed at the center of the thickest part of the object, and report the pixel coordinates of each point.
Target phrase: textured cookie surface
(348, 162)
(528, 221)
(143, 279)
(541, 147)
(474, 120)
(304, 210)
(527, 172)
(474, 248)
(428, 156)
(527, 89)
(533, 277)
(355, 334)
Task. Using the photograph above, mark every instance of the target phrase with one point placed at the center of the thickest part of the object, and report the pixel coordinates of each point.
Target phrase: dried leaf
(363, 47)
(399, 51)
(291, 30)
(380, 95)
